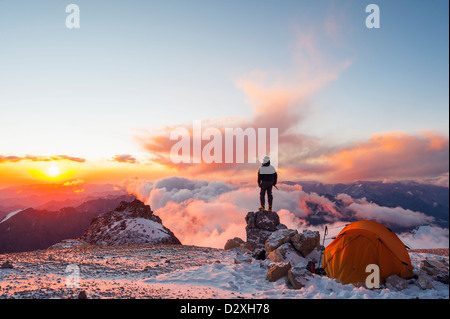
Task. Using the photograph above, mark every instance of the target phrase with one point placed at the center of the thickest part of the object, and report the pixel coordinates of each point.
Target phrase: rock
(306, 242)
(433, 267)
(82, 295)
(423, 283)
(287, 253)
(278, 271)
(259, 227)
(278, 238)
(6, 265)
(275, 255)
(257, 237)
(241, 258)
(263, 220)
(395, 282)
(298, 277)
(233, 243)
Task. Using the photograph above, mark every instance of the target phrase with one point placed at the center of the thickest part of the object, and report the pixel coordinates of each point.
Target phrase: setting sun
(53, 171)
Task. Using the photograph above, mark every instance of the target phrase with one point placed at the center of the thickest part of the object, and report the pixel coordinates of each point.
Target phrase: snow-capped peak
(131, 223)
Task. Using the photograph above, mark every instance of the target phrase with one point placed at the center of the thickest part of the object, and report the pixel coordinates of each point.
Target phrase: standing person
(267, 177)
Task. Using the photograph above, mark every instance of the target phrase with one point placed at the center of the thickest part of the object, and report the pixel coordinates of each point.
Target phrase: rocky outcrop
(260, 225)
(130, 223)
(289, 239)
(431, 269)
(289, 246)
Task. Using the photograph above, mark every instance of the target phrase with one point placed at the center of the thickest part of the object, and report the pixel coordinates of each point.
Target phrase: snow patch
(12, 214)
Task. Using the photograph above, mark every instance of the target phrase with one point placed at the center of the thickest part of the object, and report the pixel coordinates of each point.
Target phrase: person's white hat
(266, 159)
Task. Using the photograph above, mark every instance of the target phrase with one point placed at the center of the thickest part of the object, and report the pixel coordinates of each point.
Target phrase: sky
(98, 103)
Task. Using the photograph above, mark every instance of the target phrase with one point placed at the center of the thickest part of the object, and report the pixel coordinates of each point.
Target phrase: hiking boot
(270, 208)
(262, 208)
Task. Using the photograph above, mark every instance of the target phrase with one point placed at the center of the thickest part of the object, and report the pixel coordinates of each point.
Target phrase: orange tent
(362, 243)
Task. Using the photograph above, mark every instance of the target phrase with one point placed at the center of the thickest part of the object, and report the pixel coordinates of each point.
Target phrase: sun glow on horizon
(53, 170)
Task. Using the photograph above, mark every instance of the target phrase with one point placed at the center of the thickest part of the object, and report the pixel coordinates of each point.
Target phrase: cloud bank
(13, 158)
(208, 213)
(395, 155)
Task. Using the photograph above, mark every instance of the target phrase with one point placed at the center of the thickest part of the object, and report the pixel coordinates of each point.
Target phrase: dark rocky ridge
(131, 223)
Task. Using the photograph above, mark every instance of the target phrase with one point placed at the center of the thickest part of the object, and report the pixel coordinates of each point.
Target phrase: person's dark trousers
(266, 187)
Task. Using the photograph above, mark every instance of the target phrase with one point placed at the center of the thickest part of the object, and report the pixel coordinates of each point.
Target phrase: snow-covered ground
(166, 271)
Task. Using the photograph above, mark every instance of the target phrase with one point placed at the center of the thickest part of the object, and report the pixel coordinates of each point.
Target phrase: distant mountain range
(31, 229)
(53, 197)
(429, 199)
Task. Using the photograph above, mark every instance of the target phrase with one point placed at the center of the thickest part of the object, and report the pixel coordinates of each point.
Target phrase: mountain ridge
(131, 223)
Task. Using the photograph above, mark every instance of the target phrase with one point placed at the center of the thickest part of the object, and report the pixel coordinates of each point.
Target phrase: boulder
(298, 277)
(276, 255)
(257, 237)
(306, 242)
(263, 220)
(395, 282)
(433, 267)
(278, 271)
(287, 253)
(233, 243)
(277, 238)
(423, 283)
(259, 227)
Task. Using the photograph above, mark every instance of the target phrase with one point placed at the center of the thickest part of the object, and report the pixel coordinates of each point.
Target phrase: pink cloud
(391, 155)
(125, 158)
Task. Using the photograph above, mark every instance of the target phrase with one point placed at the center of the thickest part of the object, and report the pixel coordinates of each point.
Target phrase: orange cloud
(395, 155)
(125, 158)
(12, 159)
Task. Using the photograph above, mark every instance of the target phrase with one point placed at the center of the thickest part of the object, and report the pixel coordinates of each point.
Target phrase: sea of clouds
(207, 213)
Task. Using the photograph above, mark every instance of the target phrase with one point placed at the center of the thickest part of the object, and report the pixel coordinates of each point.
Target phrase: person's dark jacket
(267, 175)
